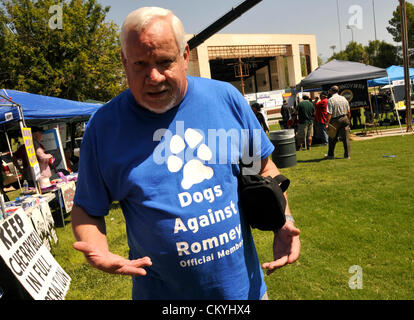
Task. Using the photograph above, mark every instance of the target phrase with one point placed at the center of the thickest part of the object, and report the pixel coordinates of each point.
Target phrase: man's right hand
(112, 263)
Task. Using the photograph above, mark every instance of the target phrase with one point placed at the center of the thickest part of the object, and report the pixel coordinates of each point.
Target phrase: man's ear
(186, 54)
(124, 60)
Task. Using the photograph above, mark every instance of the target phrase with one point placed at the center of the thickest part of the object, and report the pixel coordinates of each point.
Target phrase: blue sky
(317, 17)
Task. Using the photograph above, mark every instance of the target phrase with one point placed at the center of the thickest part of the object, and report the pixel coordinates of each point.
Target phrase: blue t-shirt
(175, 177)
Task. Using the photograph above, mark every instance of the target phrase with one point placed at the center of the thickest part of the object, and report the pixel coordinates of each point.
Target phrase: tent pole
(395, 105)
(376, 100)
(11, 154)
(372, 114)
(22, 124)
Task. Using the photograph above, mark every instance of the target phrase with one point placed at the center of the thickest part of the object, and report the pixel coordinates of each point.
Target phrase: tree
(341, 55)
(353, 52)
(320, 60)
(378, 53)
(395, 24)
(382, 54)
(77, 59)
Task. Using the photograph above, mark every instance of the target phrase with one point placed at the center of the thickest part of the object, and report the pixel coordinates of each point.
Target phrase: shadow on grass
(312, 160)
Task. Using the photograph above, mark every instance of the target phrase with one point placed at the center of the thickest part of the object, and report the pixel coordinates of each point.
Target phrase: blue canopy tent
(21, 109)
(394, 73)
(38, 110)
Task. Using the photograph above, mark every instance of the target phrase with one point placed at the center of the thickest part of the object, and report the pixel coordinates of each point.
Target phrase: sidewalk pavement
(372, 134)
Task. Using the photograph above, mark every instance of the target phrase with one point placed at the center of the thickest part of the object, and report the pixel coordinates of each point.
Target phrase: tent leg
(11, 154)
(372, 113)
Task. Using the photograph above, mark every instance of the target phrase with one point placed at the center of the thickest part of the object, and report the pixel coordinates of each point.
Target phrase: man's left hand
(286, 247)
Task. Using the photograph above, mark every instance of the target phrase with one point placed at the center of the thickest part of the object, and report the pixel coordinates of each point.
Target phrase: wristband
(289, 218)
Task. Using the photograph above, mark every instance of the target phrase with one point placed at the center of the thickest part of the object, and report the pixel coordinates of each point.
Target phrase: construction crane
(222, 22)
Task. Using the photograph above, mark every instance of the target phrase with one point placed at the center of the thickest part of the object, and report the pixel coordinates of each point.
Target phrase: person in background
(339, 115)
(356, 118)
(45, 159)
(285, 112)
(321, 113)
(305, 110)
(21, 163)
(257, 107)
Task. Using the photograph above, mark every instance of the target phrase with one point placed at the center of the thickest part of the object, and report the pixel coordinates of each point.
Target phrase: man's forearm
(268, 168)
(328, 118)
(89, 229)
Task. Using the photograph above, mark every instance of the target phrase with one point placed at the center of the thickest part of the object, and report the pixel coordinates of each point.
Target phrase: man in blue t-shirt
(168, 150)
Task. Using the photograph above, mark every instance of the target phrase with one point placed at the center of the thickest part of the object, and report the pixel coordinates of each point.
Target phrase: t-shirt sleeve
(91, 191)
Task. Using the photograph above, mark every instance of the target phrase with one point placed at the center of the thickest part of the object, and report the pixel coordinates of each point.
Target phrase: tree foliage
(354, 52)
(79, 61)
(395, 24)
(395, 27)
(382, 54)
(378, 53)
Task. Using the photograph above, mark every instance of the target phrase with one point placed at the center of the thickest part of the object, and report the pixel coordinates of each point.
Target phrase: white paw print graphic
(194, 171)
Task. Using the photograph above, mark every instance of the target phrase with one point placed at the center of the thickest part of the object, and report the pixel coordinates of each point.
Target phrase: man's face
(155, 70)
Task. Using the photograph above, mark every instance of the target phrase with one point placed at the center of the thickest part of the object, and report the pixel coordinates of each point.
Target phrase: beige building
(255, 62)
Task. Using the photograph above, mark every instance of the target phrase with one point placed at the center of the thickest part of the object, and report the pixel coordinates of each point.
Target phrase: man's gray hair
(139, 18)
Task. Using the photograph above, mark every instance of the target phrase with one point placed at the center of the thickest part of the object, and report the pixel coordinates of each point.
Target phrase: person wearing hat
(321, 113)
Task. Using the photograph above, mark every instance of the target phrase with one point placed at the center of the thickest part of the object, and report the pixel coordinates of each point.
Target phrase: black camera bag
(262, 200)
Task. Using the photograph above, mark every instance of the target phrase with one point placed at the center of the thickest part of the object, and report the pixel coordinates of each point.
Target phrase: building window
(305, 59)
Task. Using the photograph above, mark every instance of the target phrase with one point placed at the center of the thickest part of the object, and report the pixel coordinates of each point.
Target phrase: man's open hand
(112, 263)
(286, 248)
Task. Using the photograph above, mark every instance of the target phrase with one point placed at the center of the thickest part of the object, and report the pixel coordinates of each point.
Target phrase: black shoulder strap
(281, 180)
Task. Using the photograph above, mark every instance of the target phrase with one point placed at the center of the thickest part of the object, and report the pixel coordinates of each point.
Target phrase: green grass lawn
(350, 212)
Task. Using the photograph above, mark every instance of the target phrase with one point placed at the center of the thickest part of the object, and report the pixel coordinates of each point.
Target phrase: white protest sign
(40, 226)
(250, 97)
(30, 261)
(398, 83)
(47, 215)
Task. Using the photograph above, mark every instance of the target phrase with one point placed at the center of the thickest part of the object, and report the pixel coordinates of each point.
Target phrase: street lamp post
(339, 25)
(375, 24)
(351, 27)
